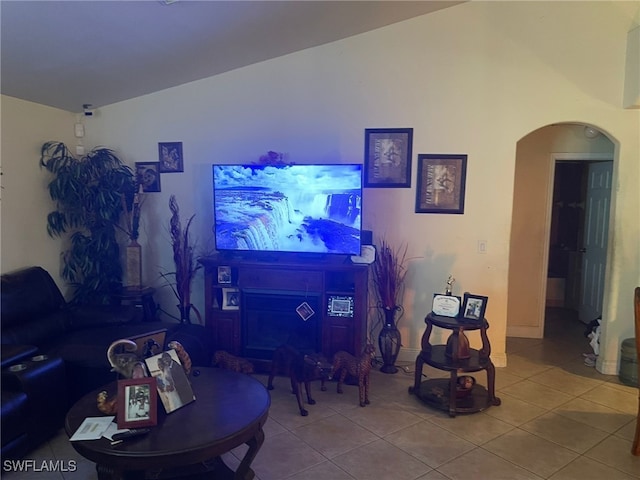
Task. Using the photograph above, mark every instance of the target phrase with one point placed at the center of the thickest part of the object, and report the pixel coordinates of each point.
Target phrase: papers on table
(94, 428)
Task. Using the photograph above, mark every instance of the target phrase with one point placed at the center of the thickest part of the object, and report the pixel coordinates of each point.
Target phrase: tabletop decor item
(474, 306)
(389, 272)
(173, 384)
(137, 403)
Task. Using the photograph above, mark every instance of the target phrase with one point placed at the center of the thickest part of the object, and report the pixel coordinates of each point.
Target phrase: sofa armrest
(91, 316)
(15, 353)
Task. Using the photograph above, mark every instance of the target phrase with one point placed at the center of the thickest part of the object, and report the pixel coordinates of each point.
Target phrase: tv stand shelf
(333, 278)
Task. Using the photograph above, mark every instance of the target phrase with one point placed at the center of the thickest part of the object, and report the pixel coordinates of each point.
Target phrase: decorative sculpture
(344, 362)
(227, 361)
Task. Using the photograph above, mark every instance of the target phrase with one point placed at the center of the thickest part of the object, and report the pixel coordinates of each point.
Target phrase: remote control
(134, 432)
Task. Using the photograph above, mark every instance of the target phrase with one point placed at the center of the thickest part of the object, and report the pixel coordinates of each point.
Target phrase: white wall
(472, 79)
(25, 200)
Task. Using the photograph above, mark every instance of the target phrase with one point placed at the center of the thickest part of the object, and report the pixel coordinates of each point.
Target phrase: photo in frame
(173, 386)
(150, 343)
(474, 307)
(441, 183)
(230, 299)
(137, 403)
(224, 274)
(170, 157)
(305, 311)
(387, 157)
(148, 175)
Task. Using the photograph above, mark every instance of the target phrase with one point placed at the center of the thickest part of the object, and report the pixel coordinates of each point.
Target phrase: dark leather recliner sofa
(53, 353)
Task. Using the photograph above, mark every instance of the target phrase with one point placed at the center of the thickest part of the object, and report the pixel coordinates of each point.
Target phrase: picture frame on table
(230, 299)
(387, 157)
(137, 403)
(474, 307)
(170, 157)
(173, 385)
(148, 175)
(441, 183)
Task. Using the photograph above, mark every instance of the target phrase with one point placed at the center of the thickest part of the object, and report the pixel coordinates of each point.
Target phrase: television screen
(288, 208)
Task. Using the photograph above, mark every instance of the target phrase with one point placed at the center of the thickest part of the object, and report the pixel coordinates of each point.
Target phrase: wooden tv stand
(333, 281)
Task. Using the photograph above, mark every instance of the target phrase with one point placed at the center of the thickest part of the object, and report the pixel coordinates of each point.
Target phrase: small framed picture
(230, 299)
(148, 175)
(340, 306)
(305, 311)
(172, 383)
(441, 183)
(224, 274)
(387, 157)
(473, 307)
(137, 403)
(170, 157)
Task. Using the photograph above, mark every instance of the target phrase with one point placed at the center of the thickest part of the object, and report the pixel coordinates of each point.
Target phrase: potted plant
(88, 193)
(185, 263)
(389, 272)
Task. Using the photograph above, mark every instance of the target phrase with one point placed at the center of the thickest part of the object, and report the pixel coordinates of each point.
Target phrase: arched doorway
(536, 156)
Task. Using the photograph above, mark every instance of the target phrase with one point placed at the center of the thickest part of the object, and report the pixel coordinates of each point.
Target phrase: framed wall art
(441, 183)
(473, 307)
(170, 157)
(148, 175)
(137, 403)
(387, 157)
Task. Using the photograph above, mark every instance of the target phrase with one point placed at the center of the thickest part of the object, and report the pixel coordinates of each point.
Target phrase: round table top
(230, 408)
(455, 322)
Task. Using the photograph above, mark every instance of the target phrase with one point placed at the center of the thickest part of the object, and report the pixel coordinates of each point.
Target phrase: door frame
(553, 158)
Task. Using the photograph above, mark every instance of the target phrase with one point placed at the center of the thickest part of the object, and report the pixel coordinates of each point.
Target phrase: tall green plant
(88, 193)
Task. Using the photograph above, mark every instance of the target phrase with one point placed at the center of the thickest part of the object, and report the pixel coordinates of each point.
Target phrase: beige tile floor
(559, 420)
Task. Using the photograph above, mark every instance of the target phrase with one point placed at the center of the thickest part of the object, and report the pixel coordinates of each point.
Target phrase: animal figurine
(227, 361)
(344, 362)
(183, 356)
(302, 369)
(124, 363)
(106, 405)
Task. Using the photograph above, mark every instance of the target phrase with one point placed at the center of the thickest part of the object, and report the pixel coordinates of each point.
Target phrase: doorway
(578, 233)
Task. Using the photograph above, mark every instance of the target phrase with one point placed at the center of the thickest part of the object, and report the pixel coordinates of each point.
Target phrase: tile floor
(559, 419)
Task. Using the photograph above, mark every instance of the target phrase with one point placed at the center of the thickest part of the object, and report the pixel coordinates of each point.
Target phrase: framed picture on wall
(387, 157)
(148, 175)
(441, 183)
(170, 157)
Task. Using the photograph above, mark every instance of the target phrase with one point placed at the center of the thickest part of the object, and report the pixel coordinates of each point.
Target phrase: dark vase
(389, 340)
(185, 313)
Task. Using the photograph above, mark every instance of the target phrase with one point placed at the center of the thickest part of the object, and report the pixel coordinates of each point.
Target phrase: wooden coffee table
(230, 410)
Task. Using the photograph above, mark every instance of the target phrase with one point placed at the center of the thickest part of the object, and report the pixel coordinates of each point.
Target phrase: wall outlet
(482, 246)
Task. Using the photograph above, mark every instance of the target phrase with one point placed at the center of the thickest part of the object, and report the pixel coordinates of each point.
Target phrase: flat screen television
(305, 209)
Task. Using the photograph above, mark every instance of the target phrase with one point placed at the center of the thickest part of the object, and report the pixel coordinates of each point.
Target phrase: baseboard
(607, 367)
(523, 332)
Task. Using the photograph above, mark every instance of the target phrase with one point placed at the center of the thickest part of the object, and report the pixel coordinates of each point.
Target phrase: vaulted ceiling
(68, 53)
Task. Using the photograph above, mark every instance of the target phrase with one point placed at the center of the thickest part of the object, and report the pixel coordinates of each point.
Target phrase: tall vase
(134, 265)
(389, 340)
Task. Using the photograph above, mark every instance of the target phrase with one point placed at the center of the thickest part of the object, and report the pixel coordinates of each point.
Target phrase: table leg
(417, 378)
(244, 472)
(453, 382)
(491, 385)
